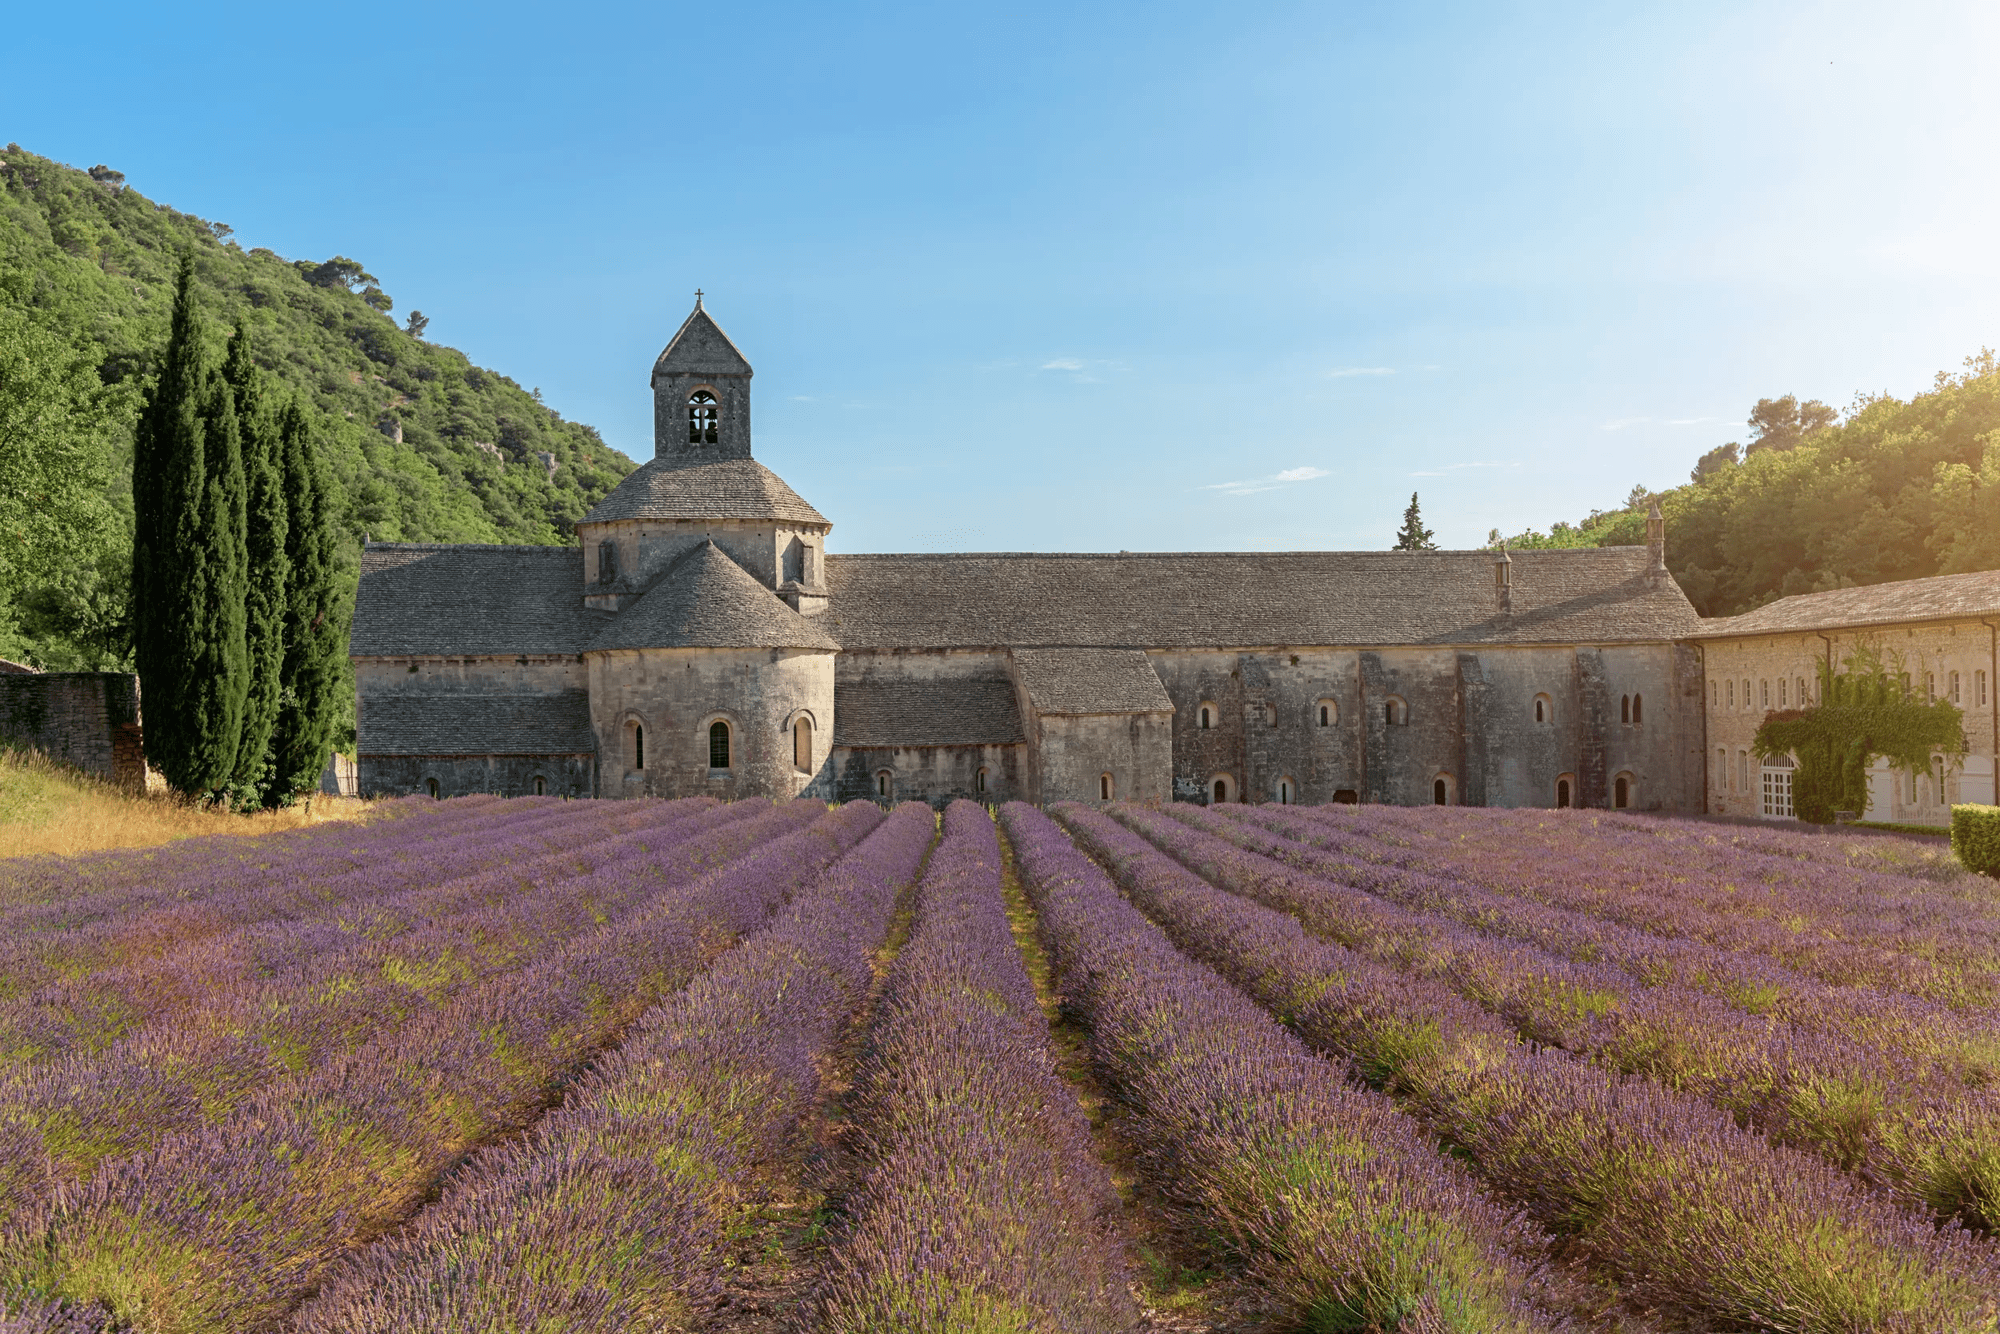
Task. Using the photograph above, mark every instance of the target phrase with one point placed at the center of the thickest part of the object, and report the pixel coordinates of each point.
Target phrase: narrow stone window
(1802, 692)
(1781, 692)
(432, 784)
(1746, 692)
(1625, 708)
(718, 745)
(1395, 712)
(1742, 771)
(882, 781)
(979, 781)
(1104, 787)
(1638, 710)
(1562, 794)
(703, 415)
(1541, 710)
(1714, 694)
(1284, 791)
(638, 746)
(1721, 769)
(1763, 694)
(1204, 718)
(1979, 679)
(1953, 693)
(802, 745)
(1930, 686)
(1440, 793)
(1732, 694)
(541, 786)
(607, 562)
(1621, 792)
(1325, 716)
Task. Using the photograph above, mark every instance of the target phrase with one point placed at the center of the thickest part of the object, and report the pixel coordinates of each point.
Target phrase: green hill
(421, 444)
(1900, 490)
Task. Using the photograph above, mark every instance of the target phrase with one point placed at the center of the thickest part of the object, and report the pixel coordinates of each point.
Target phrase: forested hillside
(421, 444)
(1900, 490)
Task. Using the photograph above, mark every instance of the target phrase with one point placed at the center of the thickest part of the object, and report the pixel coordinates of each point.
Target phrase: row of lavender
(1896, 1090)
(1845, 926)
(235, 1200)
(1666, 1196)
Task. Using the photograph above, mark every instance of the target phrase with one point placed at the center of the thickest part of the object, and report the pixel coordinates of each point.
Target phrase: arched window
(1440, 793)
(718, 745)
(1781, 692)
(1763, 694)
(1721, 769)
(884, 780)
(1544, 710)
(432, 784)
(1329, 712)
(541, 786)
(1732, 694)
(1284, 791)
(1979, 680)
(1104, 787)
(1746, 692)
(638, 746)
(1563, 790)
(1625, 708)
(1219, 788)
(1638, 710)
(1742, 771)
(1621, 791)
(1802, 692)
(1395, 712)
(1207, 719)
(979, 781)
(703, 415)
(802, 745)
(1714, 694)
(607, 561)
(1952, 692)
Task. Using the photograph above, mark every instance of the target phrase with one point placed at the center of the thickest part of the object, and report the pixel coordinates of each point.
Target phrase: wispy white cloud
(1344, 372)
(1251, 486)
(1063, 364)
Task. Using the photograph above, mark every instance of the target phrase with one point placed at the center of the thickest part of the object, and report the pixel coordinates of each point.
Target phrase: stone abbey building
(699, 639)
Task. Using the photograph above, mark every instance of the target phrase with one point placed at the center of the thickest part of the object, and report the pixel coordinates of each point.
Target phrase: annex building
(699, 639)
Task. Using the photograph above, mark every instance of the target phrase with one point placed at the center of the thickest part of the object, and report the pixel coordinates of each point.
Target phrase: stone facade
(1942, 634)
(86, 719)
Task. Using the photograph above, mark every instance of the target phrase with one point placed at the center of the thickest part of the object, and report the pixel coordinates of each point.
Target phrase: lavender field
(535, 1065)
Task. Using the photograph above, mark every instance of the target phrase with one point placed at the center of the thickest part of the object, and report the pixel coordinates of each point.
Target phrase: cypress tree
(1414, 536)
(314, 637)
(268, 566)
(187, 560)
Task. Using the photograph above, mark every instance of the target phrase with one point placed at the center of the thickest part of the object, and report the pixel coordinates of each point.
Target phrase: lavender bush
(982, 1207)
(1349, 1216)
(614, 1213)
(1666, 1196)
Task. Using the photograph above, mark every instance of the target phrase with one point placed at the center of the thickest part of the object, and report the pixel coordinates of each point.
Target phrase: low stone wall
(86, 719)
(464, 775)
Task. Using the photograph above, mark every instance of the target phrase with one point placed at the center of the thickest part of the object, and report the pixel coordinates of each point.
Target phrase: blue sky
(1114, 276)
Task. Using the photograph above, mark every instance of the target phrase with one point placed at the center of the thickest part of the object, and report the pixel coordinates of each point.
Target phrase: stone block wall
(1073, 752)
(464, 775)
(86, 719)
(937, 774)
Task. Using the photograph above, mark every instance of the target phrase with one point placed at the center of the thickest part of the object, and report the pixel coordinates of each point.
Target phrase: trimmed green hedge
(1975, 837)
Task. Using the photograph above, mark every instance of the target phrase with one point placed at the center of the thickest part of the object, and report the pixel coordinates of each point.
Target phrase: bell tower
(701, 394)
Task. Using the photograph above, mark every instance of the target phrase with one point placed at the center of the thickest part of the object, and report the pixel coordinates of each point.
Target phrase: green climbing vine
(1864, 711)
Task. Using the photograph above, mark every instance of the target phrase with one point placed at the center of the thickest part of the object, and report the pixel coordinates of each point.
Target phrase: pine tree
(1414, 536)
(268, 569)
(314, 636)
(188, 561)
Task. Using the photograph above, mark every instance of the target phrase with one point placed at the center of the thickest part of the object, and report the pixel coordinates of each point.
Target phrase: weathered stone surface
(86, 719)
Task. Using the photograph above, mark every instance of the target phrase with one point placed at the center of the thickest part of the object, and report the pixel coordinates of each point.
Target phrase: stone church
(699, 639)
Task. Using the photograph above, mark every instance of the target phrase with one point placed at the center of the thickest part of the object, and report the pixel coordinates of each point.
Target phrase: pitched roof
(432, 599)
(706, 600)
(556, 724)
(700, 348)
(1250, 599)
(926, 711)
(680, 487)
(1942, 597)
(1091, 680)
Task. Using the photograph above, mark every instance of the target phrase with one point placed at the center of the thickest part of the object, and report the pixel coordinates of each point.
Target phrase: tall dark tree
(315, 635)
(1414, 536)
(269, 565)
(188, 561)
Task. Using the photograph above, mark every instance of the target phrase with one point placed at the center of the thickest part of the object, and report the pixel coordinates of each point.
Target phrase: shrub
(1975, 837)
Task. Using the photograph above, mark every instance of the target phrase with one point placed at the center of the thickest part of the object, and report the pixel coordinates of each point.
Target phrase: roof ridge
(1238, 555)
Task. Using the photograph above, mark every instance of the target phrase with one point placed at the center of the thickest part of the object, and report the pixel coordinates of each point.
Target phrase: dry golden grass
(49, 807)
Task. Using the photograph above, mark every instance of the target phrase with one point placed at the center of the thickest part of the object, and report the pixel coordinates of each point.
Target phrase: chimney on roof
(1503, 580)
(1656, 543)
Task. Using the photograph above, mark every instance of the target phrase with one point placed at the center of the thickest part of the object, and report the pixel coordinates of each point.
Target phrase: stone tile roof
(706, 600)
(699, 347)
(926, 711)
(1201, 599)
(679, 487)
(1942, 597)
(556, 724)
(1091, 680)
(439, 600)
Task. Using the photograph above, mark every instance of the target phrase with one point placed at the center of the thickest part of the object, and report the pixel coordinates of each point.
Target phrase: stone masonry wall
(86, 719)
(464, 775)
(936, 774)
(1074, 751)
